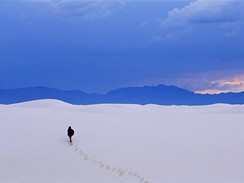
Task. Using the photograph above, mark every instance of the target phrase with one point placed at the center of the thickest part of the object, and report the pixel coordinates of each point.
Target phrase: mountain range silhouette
(161, 94)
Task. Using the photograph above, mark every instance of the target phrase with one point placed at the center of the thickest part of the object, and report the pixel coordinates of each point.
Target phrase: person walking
(70, 132)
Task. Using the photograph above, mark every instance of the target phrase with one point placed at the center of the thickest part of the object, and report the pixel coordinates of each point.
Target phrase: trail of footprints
(121, 174)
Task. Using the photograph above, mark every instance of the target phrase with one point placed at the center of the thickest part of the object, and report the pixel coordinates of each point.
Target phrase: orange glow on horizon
(211, 91)
(235, 84)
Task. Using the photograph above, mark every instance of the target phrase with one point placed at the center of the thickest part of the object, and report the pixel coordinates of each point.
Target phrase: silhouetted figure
(70, 133)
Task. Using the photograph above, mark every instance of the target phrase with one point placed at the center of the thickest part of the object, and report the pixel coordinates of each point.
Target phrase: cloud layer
(227, 15)
(86, 9)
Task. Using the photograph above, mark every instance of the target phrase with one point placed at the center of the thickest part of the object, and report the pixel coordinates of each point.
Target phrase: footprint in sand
(108, 168)
(113, 169)
(130, 173)
(121, 174)
(101, 165)
(138, 177)
(94, 161)
(86, 157)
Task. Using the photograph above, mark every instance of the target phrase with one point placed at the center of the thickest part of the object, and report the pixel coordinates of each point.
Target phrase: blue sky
(97, 45)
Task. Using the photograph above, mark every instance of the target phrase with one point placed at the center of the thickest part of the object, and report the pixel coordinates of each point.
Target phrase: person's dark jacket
(70, 132)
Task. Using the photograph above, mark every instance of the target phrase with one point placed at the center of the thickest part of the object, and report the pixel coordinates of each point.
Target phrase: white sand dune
(121, 143)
